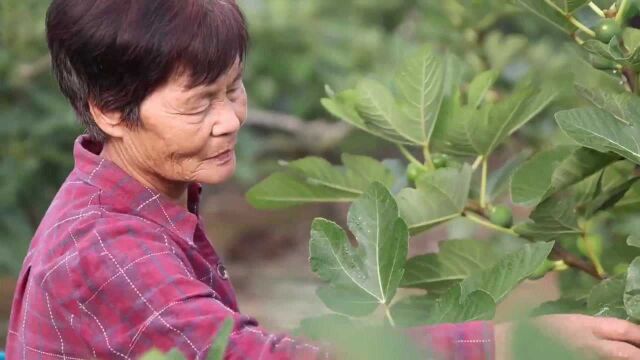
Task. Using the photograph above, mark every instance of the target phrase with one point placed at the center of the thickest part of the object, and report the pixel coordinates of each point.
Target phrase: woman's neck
(175, 191)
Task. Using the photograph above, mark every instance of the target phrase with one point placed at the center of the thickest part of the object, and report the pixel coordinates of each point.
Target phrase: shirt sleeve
(140, 293)
(469, 341)
(137, 292)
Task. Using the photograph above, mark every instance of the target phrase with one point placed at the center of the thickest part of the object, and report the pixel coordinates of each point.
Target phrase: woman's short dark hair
(114, 53)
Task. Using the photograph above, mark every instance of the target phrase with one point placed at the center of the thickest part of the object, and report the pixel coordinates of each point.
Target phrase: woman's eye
(198, 112)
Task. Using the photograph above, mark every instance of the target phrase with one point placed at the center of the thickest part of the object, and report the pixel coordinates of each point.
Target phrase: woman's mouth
(224, 157)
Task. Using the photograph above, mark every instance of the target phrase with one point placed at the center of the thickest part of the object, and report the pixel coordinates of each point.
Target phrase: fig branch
(631, 79)
(582, 27)
(483, 183)
(591, 254)
(597, 9)
(560, 253)
(408, 155)
(388, 315)
(476, 215)
(575, 22)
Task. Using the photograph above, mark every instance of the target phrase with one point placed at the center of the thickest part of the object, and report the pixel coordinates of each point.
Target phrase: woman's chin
(216, 174)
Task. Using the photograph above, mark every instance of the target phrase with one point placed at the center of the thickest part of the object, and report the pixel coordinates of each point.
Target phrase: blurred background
(297, 47)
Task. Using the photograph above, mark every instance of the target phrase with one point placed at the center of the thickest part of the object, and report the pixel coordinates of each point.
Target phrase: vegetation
(517, 117)
(580, 186)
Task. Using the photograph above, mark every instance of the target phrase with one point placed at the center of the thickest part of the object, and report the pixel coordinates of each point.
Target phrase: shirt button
(222, 272)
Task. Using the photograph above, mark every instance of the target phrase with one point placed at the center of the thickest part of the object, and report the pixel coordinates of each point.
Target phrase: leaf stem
(592, 255)
(555, 7)
(631, 79)
(482, 222)
(558, 252)
(596, 9)
(408, 155)
(624, 7)
(427, 157)
(389, 317)
(571, 19)
(581, 26)
(483, 183)
(576, 38)
(477, 162)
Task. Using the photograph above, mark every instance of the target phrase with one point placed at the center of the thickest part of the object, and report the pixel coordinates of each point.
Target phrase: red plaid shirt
(116, 268)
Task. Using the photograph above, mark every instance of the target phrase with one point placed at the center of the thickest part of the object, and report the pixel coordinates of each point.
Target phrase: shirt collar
(121, 192)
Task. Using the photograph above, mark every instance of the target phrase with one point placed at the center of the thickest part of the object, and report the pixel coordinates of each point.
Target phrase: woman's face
(188, 135)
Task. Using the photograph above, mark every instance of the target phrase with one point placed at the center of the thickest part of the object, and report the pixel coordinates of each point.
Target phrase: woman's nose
(226, 120)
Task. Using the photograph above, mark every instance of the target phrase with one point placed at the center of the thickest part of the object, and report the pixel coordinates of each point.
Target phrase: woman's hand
(599, 337)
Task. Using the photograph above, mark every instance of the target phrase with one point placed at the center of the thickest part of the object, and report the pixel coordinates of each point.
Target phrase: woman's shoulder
(83, 225)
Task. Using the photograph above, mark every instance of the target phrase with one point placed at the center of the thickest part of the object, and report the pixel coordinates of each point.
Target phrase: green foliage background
(297, 47)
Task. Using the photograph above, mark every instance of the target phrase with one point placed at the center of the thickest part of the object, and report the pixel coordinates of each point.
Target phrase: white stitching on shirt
(74, 182)
(173, 250)
(64, 356)
(52, 354)
(96, 169)
(478, 341)
(69, 219)
(57, 266)
(146, 202)
(140, 295)
(106, 337)
(163, 211)
(91, 199)
(146, 324)
(265, 347)
(74, 238)
(118, 274)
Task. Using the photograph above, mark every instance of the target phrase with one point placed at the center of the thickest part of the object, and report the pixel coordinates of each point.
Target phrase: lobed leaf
(421, 83)
(448, 308)
(343, 106)
(543, 10)
(456, 260)
(493, 125)
(553, 170)
(361, 278)
(601, 131)
(632, 290)
(569, 6)
(551, 220)
(606, 298)
(439, 196)
(508, 272)
(314, 179)
(624, 106)
(479, 87)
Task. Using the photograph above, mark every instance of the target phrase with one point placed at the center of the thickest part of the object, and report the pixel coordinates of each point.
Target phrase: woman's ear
(110, 122)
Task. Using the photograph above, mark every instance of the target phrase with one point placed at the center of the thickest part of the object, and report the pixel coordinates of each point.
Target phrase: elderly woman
(120, 262)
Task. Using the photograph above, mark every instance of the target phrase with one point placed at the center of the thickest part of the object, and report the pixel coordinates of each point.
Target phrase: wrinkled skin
(182, 130)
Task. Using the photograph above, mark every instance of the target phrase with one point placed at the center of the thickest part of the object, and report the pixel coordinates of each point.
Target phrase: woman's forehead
(184, 79)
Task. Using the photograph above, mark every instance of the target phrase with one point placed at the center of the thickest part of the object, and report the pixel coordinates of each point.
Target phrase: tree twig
(557, 253)
(560, 253)
(317, 136)
(631, 78)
